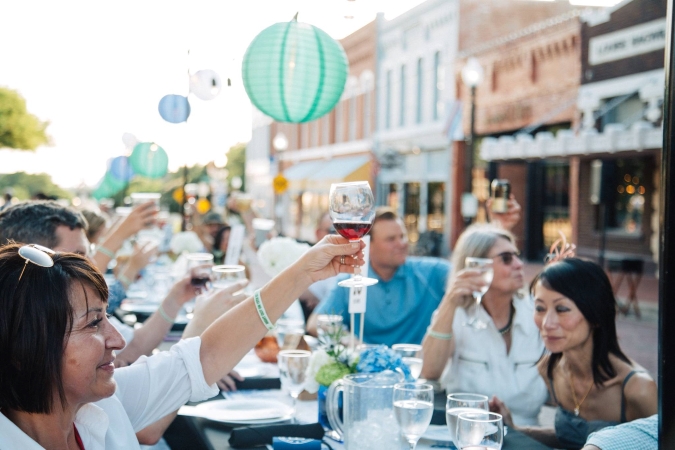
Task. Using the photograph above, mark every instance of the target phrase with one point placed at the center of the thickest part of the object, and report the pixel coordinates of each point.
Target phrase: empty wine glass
(413, 408)
(411, 355)
(329, 330)
(292, 367)
(484, 265)
(479, 431)
(224, 276)
(352, 210)
(458, 403)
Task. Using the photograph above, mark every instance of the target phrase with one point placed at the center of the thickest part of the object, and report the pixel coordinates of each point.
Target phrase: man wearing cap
(211, 223)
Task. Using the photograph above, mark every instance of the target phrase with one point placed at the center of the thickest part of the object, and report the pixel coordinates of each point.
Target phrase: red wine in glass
(200, 281)
(352, 230)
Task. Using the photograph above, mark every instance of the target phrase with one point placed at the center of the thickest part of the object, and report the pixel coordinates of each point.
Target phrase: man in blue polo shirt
(409, 289)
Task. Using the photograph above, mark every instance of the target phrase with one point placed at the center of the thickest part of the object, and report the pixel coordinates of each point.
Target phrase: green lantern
(149, 160)
(294, 72)
(108, 186)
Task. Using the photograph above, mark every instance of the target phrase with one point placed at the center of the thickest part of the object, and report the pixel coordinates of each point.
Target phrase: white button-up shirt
(146, 391)
(481, 364)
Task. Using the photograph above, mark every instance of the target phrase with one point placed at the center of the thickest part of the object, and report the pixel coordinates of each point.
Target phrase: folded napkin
(258, 383)
(252, 436)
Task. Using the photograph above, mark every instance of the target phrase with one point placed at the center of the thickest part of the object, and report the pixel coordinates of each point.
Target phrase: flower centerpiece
(329, 365)
(278, 253)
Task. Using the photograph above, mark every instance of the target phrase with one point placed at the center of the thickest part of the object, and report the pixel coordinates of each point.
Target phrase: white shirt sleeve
(155, 386)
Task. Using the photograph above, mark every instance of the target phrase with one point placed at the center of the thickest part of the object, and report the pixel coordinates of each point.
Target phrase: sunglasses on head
(36, 254)
(507, 257)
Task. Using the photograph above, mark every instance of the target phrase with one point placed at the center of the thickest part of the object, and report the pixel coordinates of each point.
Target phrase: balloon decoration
(121, 169)
(129, 140)
(108, 187)
(174, 108)
(294, 72)
(149, 160)
(205, 84)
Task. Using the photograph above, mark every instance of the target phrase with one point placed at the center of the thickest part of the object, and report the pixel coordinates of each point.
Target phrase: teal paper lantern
(294, 72)
(149, 160)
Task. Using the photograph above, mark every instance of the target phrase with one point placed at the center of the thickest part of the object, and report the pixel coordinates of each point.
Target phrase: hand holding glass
(413, 407)
(479, 431)
(484, 265)
(352, 210)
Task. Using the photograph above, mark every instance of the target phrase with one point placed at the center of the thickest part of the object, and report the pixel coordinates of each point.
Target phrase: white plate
(248, 411)
(257, 371)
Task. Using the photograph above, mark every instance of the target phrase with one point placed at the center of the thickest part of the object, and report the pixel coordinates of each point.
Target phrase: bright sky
(96, 70)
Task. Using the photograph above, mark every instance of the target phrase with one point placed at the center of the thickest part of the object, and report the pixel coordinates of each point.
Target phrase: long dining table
(202, 433)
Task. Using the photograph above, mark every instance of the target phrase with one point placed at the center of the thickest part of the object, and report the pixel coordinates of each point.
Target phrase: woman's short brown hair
(36, 319)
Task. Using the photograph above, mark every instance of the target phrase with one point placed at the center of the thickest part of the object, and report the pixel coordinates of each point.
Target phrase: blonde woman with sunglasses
(498, 359)
(60, 387)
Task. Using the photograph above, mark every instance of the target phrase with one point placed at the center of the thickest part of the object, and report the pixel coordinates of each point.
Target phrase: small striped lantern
(294, 72)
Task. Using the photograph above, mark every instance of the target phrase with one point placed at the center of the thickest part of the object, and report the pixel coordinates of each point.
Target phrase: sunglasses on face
(507, 257)
(36, 254)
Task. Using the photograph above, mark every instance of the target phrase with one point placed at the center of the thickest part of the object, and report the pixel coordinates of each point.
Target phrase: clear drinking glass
(289, 332)
(479, 431)
(413, 408)
(411, 354)
(484, 265)
(352, 210)
(458, 403)
(329, 330)
(292, 367)
(199, 266)
(224, 276)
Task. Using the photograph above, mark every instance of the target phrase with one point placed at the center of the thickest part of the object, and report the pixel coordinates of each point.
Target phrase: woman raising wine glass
(352, 209)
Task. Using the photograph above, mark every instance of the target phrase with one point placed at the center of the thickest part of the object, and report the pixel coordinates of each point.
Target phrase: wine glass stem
(295, 399)
(412, 444)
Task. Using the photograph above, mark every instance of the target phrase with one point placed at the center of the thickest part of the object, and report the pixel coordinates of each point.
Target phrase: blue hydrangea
(380, 358)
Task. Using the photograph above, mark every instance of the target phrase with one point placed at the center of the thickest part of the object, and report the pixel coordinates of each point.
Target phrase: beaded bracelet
(261, 311)
(437, 335)
(124, 280)
(105, 251)
(165, 316)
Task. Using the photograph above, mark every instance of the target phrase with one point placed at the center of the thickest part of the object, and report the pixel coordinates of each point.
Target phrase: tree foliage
(236, 164)
(26, 185)
(19, 129)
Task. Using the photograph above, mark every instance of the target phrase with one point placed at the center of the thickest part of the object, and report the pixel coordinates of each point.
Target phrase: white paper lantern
(205, 84)
(129, 140)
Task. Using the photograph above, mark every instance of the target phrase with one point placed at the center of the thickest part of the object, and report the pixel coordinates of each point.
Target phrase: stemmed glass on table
(352, 209)
(458, 403)
(413, 408)
(479, 431)
(292, 367)
(411, 355)
(484, 265)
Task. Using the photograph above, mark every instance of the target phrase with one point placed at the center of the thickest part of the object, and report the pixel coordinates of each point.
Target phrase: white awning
(614, 138)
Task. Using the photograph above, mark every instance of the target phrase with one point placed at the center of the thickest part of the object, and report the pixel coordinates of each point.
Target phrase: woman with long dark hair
(593, 383)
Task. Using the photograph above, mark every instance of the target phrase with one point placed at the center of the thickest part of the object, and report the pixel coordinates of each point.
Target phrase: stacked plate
(241, 412)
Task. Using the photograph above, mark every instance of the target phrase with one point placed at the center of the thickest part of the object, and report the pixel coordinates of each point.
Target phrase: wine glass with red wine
(352, 209)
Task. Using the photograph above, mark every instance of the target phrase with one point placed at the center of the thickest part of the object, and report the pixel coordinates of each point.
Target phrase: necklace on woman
(508, 326)
(577, 405)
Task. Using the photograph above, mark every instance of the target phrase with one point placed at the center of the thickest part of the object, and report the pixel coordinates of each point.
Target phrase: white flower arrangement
(278, 253)
(185, 242)
(318, 359)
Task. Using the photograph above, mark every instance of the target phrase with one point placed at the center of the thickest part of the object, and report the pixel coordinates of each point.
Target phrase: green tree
(26, 185)
(236, 164)
(19, 129)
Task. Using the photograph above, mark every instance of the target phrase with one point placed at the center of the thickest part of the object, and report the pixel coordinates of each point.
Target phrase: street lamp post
(472, 76)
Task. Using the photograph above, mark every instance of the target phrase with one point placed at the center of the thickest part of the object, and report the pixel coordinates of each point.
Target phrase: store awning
(320, 174)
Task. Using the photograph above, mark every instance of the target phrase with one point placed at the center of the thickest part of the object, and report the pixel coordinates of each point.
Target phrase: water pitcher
(368, 421)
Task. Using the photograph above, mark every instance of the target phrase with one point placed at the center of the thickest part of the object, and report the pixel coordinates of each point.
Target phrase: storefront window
(556, 202)
(436, 207)
(627, 197)
(411, 210)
